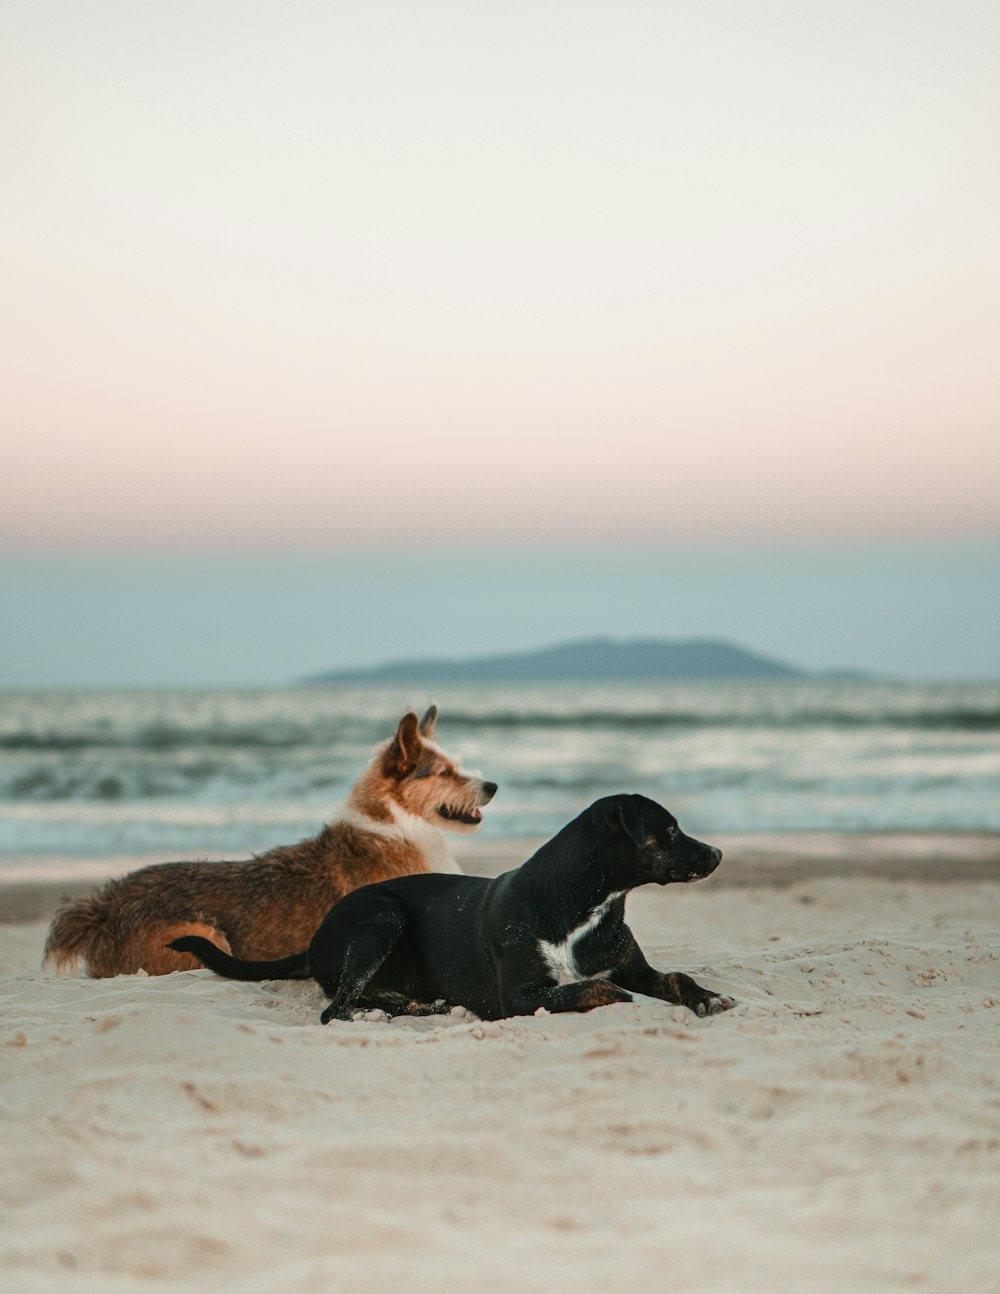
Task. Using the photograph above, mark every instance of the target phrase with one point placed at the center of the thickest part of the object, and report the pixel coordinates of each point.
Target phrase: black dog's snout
(716, 853)
(489, 790)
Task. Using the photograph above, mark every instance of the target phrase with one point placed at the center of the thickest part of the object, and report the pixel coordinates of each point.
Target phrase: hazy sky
(927, 611)
(509, 278)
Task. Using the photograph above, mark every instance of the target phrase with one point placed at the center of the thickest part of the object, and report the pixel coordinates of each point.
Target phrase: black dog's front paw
(713, 1004)
(336, 1012)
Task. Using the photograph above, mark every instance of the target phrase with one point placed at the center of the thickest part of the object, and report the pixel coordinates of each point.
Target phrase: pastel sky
(321, 277)
(331, 273)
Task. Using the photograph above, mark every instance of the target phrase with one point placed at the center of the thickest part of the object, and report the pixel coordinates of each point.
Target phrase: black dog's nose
(717, 853)
(489, 790)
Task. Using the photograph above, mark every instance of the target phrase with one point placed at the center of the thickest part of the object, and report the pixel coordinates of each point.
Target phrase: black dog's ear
(627, 814)
(400, 756)
(428, 721)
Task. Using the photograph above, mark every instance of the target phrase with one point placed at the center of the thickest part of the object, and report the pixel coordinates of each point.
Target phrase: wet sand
(770, 860)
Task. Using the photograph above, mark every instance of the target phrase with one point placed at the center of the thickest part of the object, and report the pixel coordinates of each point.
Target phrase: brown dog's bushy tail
(79, 935)
(210, 955)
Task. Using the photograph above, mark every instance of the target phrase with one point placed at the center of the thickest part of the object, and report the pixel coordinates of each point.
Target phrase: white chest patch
(430, 840)
(561, 959)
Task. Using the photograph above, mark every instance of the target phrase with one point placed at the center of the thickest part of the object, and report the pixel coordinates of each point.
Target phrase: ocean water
(210, 773)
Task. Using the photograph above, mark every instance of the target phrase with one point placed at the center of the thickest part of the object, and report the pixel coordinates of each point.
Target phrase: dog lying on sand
(393, 824)
(549, 934)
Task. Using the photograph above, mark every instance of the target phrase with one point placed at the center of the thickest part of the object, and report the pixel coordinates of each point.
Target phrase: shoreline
(32, 889)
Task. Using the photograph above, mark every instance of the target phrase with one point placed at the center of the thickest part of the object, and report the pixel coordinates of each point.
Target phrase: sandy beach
(839, 1130)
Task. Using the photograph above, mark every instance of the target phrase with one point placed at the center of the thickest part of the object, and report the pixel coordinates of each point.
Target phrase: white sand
(838, 1131)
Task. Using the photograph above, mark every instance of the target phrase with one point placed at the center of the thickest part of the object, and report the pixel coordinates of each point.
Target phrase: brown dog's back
(124, 926)
(265, 908)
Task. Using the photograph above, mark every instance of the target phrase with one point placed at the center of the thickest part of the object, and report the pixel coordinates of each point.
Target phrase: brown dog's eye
(446, 772)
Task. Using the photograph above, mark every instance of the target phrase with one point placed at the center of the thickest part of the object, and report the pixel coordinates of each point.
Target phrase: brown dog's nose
(489, 790)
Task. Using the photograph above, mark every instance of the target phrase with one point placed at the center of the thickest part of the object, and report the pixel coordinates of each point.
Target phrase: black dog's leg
(635, 973)
(393, 1003)
(437, 1007)
(586, 994)
(675, 986)
(343, 961)
(582, 995)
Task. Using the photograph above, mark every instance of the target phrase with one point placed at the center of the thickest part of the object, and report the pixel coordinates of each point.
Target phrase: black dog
(550, 934)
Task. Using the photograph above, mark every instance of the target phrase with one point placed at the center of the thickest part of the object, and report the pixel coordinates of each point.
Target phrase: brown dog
(393, 824)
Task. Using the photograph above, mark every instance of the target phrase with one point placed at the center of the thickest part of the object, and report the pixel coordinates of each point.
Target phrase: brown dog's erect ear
(628, 816)
(400, 757)
(428, 721)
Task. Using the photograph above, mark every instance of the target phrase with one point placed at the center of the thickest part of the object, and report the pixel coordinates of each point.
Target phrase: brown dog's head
(419, 778)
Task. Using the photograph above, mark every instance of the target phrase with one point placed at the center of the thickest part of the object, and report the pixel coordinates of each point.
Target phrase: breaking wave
(95, 774)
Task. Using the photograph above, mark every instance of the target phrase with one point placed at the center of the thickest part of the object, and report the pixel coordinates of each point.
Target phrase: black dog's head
(643, 838)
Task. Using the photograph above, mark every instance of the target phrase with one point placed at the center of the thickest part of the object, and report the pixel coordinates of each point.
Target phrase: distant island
(595, 658)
